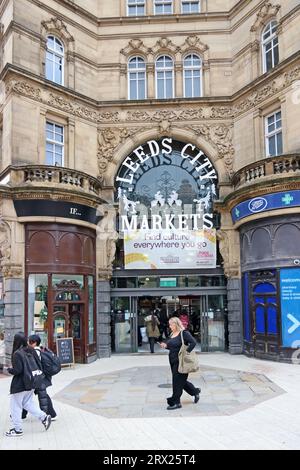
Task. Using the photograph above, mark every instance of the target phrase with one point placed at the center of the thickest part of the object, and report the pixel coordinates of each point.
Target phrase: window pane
(169, 89)
(49, 158)
(272, 146)
(37, 306)
(160, 89)
(188, 88)
(276, 56)
(133, 90)
(269, 61)
(279, 143)
(197, 87)
(141, 91)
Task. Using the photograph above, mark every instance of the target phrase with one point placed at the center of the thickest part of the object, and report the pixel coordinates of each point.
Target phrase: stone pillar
(14, 312)
(103, 318)
(235, 319)
(229, 245)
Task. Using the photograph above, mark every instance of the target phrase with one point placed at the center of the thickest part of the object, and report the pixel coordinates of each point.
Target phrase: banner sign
(47, 208)
(290, 307)
(166, 249)
(265, 203)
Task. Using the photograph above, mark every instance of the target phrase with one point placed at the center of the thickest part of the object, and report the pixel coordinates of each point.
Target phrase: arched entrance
(167, 257)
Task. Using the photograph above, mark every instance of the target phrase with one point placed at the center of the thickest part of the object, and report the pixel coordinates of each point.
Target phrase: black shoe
(174, 407)
(47, 422)
(197, 396)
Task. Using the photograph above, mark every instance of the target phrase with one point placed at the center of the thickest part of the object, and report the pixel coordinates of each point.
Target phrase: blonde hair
(177, 322)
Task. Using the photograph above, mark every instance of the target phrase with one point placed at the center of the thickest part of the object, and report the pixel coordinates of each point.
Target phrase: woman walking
(179, 381)
(21, 397)
(153, 333)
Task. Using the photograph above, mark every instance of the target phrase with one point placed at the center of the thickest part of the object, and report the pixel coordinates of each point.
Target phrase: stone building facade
(83, 84)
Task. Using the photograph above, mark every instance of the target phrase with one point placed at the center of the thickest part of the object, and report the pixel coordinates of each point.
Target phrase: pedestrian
(164, 321)
(153, 333)
(2, 351)
(184, 318)
(21, 396)
(45, 401)
(179, 381)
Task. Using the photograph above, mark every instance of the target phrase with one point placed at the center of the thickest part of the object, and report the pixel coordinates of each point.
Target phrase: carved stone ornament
(194, 43)
(267, 11)
(5, 243)
(12, 271)
(220, 136)
(108, 141)
(193, 114)
(58, 26)
(104, 274)
(135, 46)
(111, 248)
(23, 88)
(229, 249)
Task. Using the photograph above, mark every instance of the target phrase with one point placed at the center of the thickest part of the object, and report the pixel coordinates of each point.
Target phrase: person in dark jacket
(45, 401)
(22, 398)
(179, 381)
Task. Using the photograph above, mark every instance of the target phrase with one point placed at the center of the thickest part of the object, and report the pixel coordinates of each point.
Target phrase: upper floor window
(55, 60)
(270, 47)
(190, 6)
(54, 144)
(163, 7)
(137, 78)
(135, 7)
(273, 132)
(192, 79)
(164, 77)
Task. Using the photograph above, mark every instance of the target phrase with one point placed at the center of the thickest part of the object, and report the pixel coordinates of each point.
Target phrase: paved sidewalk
(119, 403)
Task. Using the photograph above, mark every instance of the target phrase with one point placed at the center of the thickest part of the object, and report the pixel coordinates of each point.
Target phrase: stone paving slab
(139, 392)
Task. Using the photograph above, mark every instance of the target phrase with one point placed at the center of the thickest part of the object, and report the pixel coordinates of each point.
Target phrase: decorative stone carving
(135, 46)
(104, 274)
(194, 43)
(165, 45)
(170, 115)
(221, 112)
(256, 98)
(12, 271)
(229, 249)
(56, 25)
(220, 136)
(111, 248)
(23, 88)
(267, 11)
(5, 243)
(108, 141)
(164, 127)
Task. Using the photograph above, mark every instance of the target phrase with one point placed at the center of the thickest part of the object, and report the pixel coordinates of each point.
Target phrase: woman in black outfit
(179, 381)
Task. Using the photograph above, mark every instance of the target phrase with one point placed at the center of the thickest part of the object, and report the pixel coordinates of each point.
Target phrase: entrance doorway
(204, 316)
(68, 322)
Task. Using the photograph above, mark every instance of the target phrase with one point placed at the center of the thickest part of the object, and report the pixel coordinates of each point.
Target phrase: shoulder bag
(188, 361)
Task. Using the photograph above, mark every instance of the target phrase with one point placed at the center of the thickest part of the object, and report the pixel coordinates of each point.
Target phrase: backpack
(33, 376)
(50, 362)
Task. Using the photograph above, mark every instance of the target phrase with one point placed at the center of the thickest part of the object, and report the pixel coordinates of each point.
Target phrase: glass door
(124, 324)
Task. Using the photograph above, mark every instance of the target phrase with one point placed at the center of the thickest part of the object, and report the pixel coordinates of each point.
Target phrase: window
(163, 7)
(135, 7)
(164, 77)
(54, 60)
(274, 134)
(270, 46)
(137, 78)
(192, 76)
(54, 144)
(192, 6)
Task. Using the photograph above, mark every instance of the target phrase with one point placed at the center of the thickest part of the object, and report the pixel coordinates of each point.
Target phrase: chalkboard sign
(65, 350)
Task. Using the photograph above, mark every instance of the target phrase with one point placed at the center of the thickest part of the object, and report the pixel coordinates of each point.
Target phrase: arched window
(270, 47)
(137, 78)
(192, 76)
(164, 77)
(55, 60)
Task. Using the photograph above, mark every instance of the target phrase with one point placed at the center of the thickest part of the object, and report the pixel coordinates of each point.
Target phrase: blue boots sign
(290, 307)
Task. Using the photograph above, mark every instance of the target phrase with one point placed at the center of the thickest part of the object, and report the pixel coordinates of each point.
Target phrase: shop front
(167, 257)
(60, 286)
(270, 261)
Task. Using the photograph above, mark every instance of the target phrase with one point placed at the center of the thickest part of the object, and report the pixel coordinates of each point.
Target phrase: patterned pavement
(140, 392)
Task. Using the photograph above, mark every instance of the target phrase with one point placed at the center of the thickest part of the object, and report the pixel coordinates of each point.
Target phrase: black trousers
(152, 342)
(180, 383)
(45, 403)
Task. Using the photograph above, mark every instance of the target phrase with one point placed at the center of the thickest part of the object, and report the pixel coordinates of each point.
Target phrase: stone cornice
(259, 189)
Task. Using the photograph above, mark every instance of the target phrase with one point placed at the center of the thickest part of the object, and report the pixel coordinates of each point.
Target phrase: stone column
(235, 318)
(14, 306)
(229, 244)
(103, 317)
